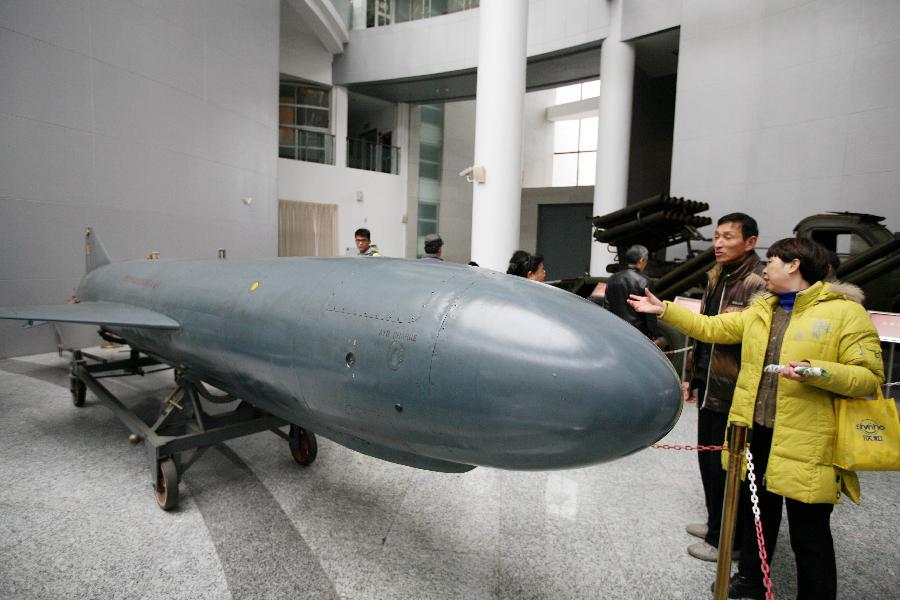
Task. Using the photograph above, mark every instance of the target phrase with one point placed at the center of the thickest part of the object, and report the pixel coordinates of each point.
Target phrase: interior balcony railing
(302, 144)
(363, 154)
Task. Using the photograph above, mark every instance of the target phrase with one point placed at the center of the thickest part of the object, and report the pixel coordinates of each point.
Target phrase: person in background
(834, 263)
(434, 247)
(516, 262)
(364, 245)
(631, 280)
(803, 322)
(530, 266)
(713, 368)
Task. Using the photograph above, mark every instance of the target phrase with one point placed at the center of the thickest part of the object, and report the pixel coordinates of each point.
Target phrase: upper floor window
(304, 122)
(388, 12)
(578, 91)
(575, 140)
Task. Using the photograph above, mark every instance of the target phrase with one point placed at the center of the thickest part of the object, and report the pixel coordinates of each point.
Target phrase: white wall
(458, 153)
(450, 42)
(381, 211)
(643, 17)
(537, 143)
(384, 195)
(149, 122)
(788, 109)
(301, 53)
(455, 220)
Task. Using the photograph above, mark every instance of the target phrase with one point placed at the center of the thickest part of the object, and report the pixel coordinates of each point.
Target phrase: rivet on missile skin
(398, 408)
(350, 359)
(134, 439)
(254, 286)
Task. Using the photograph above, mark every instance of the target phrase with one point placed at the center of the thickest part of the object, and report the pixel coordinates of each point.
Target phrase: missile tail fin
(94, 253)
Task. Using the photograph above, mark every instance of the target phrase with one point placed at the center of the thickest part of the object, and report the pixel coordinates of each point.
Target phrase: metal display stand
(182, 425)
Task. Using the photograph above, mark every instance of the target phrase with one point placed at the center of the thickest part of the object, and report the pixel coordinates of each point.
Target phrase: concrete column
(401, 140)
(614, 129)
(340, 114)
(497, 203)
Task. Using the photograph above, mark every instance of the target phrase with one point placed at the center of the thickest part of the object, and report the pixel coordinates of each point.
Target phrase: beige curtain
(307, 229)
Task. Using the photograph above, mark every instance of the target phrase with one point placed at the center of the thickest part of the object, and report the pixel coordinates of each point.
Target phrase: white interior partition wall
(614, 129)
(500, 95)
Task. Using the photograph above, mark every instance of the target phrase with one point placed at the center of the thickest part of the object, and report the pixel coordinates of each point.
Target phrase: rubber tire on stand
(79, 391)
(303, 445)
(167, 484)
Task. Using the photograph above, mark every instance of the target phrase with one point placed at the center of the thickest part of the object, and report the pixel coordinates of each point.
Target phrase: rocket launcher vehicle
(436, 366)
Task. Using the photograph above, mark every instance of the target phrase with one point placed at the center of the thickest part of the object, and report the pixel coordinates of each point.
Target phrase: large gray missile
(435, 366)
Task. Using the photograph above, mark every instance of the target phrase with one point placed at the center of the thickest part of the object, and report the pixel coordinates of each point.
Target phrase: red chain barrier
(757, 521)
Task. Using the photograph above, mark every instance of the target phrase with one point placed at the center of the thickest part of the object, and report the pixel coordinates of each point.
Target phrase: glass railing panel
(369, 156)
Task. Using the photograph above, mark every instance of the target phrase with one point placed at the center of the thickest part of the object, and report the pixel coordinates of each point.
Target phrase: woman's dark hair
(812, 256)
(521, 263)
(517, 262)
(534, 261)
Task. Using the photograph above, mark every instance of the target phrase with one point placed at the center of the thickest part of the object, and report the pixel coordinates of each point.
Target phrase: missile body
(436, 366)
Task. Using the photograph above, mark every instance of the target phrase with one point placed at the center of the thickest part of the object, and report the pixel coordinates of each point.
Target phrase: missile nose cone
(552, 381)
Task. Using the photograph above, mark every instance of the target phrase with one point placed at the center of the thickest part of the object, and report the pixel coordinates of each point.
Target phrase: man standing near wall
(364, 245)
(733, 281)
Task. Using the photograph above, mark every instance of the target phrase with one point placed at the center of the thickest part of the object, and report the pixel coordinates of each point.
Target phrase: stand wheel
(167, 485)
(79, 390)
(303, 445)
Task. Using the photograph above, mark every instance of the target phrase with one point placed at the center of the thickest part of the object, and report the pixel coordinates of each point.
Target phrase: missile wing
(114, 314)
(436, 366)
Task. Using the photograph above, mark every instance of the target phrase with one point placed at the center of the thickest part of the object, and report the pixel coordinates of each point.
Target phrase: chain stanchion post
(737, 439)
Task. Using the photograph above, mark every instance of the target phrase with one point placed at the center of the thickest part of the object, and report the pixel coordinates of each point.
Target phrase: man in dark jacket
(632, 280)
(733, 281)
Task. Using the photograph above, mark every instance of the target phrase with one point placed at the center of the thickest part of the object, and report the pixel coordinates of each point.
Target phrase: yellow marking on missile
(254, 286)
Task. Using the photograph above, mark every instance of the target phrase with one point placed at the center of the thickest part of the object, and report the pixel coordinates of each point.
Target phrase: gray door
(564, 239)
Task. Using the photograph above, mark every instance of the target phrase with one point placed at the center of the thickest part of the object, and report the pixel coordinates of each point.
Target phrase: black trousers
(711, 432)
(809, 526)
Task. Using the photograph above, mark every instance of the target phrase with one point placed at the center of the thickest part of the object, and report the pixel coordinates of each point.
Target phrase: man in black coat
(632, 280)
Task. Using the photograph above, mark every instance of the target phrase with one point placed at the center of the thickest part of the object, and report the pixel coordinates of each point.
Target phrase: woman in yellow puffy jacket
(801, 322)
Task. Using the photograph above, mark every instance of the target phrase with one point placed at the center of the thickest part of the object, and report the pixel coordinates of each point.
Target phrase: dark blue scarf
(786, 300)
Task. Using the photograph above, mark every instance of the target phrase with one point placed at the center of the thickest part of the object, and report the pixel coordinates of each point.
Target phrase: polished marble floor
(78, 519)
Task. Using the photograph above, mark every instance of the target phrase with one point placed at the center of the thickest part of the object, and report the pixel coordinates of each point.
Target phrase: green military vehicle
(868, 251)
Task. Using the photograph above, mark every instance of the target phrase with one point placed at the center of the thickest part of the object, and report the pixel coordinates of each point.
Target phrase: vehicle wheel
(303, 445)
(79, 391)
(167, 484)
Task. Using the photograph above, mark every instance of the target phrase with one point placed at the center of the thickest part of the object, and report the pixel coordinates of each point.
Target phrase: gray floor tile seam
(274, 493)
(390, 544)
(509, 545)
(410, 482)
(187, 503)
(234, 458)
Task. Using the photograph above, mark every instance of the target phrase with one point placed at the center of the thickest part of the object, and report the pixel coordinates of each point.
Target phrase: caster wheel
(303, 445)
(79, 391)
(167, 485)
